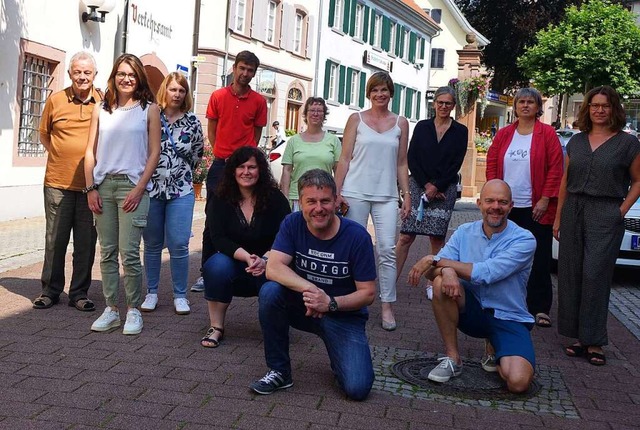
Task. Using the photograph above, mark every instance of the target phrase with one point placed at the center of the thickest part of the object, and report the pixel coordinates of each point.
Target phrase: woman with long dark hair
(600, 184)
(122, 153)
(248, 209)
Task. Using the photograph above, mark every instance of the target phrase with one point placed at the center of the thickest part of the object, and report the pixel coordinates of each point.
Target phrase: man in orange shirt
(236, 116)
(64, 128)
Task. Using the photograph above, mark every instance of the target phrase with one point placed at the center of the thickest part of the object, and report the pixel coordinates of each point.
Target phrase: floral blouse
(173, 177)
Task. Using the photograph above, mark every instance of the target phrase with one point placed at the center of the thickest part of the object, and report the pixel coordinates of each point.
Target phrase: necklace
(126, 108)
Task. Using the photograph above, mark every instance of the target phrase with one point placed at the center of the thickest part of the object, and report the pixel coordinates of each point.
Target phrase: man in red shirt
(236, 115)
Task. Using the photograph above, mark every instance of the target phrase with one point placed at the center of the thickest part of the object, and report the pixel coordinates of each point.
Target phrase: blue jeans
(225, 277)
(119, 233)
(168, 220)
(343, 334)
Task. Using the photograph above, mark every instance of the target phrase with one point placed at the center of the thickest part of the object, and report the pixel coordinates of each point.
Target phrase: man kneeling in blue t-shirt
(480, 287)
(326, 291)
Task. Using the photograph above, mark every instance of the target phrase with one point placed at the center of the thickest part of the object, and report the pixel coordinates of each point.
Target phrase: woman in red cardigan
(528, 156)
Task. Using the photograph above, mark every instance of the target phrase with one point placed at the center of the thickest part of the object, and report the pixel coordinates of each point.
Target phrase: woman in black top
(600, 184)
(436, 152)
(248, 208)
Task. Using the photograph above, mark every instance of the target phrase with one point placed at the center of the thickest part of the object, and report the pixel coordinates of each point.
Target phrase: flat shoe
(84, 305)
(543, 320)
(575, 350)
(44, 302)
(388, 325)
(596, 358)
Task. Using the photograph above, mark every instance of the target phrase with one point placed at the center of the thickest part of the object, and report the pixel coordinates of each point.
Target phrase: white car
(629, 254)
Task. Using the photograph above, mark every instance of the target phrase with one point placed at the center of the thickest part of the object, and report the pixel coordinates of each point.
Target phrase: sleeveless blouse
(373, 169)
(123, 142)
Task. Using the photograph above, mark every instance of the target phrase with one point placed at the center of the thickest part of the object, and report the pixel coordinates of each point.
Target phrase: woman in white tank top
(372, 164)
(122, 154)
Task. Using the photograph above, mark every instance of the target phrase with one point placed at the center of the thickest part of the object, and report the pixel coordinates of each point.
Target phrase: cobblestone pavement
(56, 374)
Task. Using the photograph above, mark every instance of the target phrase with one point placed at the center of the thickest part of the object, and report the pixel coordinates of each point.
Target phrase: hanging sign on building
(378, 61)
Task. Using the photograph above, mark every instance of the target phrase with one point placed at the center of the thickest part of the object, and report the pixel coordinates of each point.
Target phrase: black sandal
(575, 350)
(84, 305)
(208, 341)
(44, 302)
(596, 358)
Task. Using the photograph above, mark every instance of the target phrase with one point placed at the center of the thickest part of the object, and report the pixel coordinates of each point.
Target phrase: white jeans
(385, 222)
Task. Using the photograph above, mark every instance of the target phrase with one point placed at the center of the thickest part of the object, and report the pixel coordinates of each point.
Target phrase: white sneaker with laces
(489, 363)
(446, 370)
(198, 287)
(182, 306)
(108, 320)
(150, 303)
(133, 324)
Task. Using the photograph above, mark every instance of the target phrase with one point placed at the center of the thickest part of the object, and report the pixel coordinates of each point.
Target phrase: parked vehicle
(629, 254)
(565, 135)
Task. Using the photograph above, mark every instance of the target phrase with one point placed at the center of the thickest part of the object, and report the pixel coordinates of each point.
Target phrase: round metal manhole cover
(473, 383)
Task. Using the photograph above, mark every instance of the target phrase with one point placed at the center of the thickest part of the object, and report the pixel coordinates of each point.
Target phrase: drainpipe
(125, 29)
(428, 54)
(315, 77)
(227, 36)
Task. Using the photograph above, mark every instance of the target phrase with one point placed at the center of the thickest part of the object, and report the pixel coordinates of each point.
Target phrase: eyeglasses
(122, 75)
(315, 112)
(597, 106)
(440, 103)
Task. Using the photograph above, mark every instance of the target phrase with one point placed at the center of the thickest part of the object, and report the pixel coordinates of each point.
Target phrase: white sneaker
(429, 292)
(198, 287)
(108, 320)
(150, 303)
(182, 306)
(133, 324)
(489, 363)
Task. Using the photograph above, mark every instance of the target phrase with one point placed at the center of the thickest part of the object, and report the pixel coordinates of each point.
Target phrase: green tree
(595, 44)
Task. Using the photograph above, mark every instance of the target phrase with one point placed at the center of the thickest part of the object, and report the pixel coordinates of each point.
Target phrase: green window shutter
(386, 31)
(347, 98)
(398, 37)
(412, 47)
(327, 77)
(408, 103)
(419, 102)
(395, 102)
(401, 52)
(345, 15)
(372, 33)
(352, 22)
(341, 85)
(363, 88)
(365, 25)
(332, 12)
(422, 44)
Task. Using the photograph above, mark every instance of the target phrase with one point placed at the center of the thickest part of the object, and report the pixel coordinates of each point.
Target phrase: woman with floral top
(172, 197)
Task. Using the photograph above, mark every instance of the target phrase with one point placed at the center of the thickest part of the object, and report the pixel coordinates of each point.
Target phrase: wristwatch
(90, 188)
(435, 260)
(333, 305)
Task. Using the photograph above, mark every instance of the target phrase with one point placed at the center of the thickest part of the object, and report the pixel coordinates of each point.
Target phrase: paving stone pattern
(56, 374)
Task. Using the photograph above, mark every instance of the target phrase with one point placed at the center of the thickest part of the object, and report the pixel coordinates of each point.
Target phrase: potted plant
(468, 91)
(202, 170)
(482, 141)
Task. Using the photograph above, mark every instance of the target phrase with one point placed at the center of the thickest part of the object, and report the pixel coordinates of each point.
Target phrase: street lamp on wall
(102, 7)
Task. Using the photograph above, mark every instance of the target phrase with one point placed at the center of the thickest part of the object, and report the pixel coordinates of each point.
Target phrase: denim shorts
(508, 338)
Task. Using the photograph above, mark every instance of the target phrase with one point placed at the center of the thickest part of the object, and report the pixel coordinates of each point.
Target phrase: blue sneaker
(271, 382)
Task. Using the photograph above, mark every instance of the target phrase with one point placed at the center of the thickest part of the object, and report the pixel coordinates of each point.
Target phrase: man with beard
(322, 277)
(236, 116)
(480, 287)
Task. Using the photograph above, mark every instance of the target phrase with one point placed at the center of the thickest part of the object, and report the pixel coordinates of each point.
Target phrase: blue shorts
(508, 338)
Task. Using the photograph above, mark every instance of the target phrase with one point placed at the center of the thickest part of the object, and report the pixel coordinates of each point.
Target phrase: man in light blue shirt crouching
(480, 287)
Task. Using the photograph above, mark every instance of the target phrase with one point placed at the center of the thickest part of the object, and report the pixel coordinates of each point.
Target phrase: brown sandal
(44, 302)
(84, 305)
(208, 341)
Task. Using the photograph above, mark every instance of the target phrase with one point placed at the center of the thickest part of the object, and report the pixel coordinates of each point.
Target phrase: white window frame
(377, 31)
(403, 96)
(414, 104)
(334, 77)
(357, 31)
(272, 10)
(355, 87)
(405, 49)
(241, 12)
(393, 33)
(297, 33)
(435, 66)
(338, 15)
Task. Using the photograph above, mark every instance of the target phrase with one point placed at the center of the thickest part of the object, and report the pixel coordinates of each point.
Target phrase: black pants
(213, 178)
(539, 287)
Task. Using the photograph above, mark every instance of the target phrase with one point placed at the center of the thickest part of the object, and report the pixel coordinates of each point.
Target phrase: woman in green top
(314, 148)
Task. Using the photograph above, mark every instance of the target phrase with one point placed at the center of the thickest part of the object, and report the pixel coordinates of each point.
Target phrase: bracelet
(402, 193)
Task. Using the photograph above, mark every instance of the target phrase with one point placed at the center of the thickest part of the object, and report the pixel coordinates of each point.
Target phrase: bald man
(480, 287)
